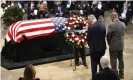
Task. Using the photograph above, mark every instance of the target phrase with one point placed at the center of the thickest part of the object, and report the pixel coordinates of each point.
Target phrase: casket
(21, 46)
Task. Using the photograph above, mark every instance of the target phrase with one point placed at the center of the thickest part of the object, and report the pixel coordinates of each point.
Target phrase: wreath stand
(74, 69)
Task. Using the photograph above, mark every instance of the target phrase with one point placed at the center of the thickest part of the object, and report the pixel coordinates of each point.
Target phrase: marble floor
(63, 71)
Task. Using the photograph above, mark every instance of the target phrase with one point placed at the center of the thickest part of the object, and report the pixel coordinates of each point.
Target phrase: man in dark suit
(60, 10)
(106, 73)
(96, 42)
(80, 51)
(125, 14)
(115, 39)
(31, 11)
(96, 11)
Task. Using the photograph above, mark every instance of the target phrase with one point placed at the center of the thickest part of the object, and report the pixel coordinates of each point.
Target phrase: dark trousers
(114, 55)
(31, 17)
(125, 21)
(81, 52)
(95, 57)
(43, 13)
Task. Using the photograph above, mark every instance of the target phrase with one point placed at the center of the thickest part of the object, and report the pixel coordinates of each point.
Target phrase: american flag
(59, 23)
(34, 28)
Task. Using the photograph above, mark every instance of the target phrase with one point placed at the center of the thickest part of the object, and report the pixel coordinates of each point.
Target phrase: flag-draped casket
(34, 39)
(35, 28)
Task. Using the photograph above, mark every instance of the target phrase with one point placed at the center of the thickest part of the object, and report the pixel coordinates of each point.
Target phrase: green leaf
(12, 14)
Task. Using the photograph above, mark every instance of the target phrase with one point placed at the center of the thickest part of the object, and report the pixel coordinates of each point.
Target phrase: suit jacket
(97, 12)
(96, 36)
(115, 35)
(128, 14)
(107, 74)
(29, 10)
(62, 9)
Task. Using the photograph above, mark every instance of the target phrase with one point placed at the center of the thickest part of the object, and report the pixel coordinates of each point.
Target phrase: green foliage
(12, 14)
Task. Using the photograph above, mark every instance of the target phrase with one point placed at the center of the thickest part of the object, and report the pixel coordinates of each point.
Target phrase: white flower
(70, 23)
(74, 18)
(73, 34)
(82, 40)
(84, 22)
(70, 18)
(86, 34)
(70, 39)
(74, 25)
(65, 27)
(8, 5)
(85, 37)
(73, 41)
(68, 28)
(77, 39)
(5, 8)
(66, 35)
(23, 10)
(76, 21)
(78, 18)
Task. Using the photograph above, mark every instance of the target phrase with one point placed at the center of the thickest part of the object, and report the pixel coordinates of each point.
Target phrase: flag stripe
(29, 22)
(16, 24)
(35, 33)
(34, 26)
(35, 29)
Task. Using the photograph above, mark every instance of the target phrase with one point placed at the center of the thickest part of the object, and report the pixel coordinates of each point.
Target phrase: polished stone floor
(63, 71)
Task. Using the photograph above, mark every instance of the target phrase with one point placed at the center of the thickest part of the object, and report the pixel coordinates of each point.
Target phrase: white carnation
(84, 22)
(78, 18)
(85, 37)
(73, 34)
(76, 21)
(66, 35)
(70, 39)
(5, 8)
(68, 28)
(70, 18)
(65, 27)
(82, 40)
(77, 39)
(73, 41)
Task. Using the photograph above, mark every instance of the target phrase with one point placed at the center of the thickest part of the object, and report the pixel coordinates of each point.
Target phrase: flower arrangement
(12, 14)
(75, 28)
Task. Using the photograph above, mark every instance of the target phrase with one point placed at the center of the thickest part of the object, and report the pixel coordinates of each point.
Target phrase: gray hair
(92, 17)
(104, 61)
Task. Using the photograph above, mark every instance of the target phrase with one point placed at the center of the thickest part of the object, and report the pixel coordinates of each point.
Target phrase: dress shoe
(86, 66)
(121, 76)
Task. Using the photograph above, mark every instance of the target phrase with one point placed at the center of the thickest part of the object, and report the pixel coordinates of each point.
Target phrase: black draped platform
(36, 51)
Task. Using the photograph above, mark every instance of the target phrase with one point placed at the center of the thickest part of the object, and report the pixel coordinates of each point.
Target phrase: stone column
(1, 13)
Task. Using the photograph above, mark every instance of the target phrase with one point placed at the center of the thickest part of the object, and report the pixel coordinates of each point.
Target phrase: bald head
(114, 16)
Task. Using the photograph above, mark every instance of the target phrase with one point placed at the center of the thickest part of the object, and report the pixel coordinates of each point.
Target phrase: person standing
(106, 73)
(96, 41)
(126, 13)
(80, 51)
(115, 39)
